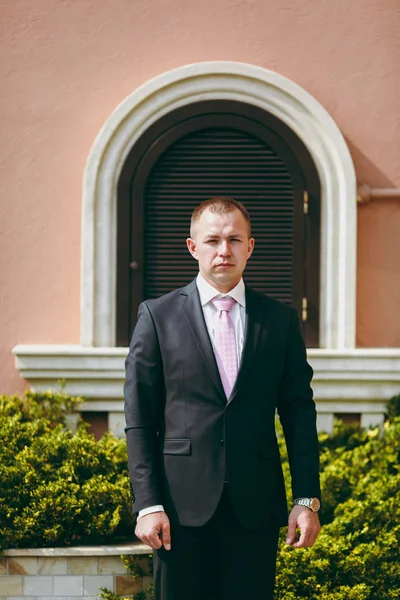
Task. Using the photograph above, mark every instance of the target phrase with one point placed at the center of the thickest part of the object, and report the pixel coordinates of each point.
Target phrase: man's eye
(211, 241)
(235, 240)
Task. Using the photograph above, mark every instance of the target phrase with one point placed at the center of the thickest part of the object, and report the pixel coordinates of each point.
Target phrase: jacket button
(222, 442)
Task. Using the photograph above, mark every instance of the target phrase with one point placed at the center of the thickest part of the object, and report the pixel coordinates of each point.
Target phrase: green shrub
(58, 488)
(357, 554)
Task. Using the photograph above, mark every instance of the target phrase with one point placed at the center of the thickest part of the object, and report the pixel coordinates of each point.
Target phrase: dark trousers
(218, 561)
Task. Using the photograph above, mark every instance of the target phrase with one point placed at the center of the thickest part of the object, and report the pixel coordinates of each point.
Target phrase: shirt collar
(207, 292)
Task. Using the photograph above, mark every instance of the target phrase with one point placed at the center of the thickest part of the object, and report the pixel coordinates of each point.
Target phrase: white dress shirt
(238, 316)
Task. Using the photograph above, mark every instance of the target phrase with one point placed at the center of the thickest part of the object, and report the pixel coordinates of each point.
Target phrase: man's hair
(220, 205)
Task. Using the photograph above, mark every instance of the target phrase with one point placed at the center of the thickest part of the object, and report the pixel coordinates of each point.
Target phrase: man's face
(222, 246)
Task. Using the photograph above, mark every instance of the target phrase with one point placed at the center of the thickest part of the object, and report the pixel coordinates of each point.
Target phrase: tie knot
(224, 304)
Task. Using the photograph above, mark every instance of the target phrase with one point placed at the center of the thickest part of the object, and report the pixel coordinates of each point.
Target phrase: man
(208, 366)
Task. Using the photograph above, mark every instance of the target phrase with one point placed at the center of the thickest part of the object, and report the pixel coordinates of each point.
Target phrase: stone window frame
(210, 81)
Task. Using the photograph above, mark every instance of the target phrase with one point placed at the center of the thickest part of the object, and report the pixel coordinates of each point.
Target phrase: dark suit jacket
(183, 437)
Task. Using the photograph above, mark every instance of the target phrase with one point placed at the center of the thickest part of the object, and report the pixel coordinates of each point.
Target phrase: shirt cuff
(149, 510)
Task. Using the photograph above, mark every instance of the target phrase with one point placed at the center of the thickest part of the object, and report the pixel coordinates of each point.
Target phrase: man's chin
(226, 272)
(227, 278)
(224, 276)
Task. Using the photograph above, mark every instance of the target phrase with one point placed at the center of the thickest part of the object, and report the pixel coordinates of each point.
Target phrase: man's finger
(291, 534)
(304, 540)
(307, 538)
(166, 535)
(154, 540)
(313, 536)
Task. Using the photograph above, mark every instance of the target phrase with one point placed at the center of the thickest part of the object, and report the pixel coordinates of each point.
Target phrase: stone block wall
(68, 573)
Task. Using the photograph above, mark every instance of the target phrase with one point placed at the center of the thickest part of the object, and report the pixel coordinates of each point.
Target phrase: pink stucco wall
(378, 272)
(66, 65)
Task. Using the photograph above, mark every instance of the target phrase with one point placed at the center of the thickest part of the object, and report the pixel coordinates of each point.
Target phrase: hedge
(357, 554)
(60, 488)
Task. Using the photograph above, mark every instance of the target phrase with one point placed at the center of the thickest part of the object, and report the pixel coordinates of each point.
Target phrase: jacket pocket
(177, 446)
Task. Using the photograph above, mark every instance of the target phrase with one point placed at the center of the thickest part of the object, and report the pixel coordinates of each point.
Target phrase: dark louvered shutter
(221, 162)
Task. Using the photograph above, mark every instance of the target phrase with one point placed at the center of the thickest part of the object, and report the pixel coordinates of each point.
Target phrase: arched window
(128, 130)
(209, 149)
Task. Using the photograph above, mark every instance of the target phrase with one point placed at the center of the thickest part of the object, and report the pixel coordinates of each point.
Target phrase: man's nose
(224, 249)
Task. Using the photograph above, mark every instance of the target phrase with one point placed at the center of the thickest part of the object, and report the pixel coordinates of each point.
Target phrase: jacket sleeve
(296, 409)
(144, 397)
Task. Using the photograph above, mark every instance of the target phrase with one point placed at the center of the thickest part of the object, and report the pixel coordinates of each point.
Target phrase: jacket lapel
(190, 301)
(254, 320)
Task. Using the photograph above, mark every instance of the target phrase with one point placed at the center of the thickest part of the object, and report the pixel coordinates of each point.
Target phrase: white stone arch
(218, 81)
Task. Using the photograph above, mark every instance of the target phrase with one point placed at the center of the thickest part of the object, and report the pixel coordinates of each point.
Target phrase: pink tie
(225, 343)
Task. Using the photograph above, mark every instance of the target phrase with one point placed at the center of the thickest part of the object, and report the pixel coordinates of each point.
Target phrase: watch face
(315, 504)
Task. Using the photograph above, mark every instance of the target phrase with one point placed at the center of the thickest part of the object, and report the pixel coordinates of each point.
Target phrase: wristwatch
(311, 503)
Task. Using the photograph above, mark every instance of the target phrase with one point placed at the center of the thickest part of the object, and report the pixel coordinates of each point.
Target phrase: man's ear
(191, 246)
(250, 248)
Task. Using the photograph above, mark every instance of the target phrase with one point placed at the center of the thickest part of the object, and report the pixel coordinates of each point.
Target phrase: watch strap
(312, 503)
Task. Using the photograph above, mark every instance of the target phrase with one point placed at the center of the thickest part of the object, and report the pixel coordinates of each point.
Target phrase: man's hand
(154, 530)
(308, 522)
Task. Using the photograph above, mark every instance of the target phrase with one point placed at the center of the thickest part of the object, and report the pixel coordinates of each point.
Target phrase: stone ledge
(351, 375)
(117, 550)
(354, 380)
